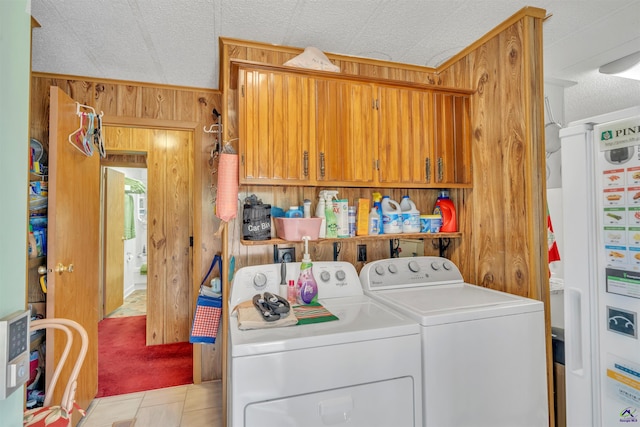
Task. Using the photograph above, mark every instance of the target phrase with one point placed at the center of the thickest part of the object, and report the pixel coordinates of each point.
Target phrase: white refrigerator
(601, 214)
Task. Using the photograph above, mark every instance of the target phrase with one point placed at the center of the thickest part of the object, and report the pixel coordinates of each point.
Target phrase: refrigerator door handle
(575, 322)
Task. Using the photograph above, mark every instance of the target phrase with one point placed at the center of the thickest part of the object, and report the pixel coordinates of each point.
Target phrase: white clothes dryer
(483, 351)
(363, 369)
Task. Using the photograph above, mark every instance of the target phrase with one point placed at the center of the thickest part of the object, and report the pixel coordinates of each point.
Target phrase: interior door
(114, 240)
(73, 242)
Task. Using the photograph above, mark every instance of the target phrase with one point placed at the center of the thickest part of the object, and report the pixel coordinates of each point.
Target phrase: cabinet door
(405, 138)
(276, 127)
(346, 141)
(452, 139)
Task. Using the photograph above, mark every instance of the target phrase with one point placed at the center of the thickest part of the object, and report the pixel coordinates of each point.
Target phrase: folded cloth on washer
(312, 313)
(250, 318)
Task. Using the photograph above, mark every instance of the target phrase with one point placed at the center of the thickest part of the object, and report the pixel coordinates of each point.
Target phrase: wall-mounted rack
(89, 132)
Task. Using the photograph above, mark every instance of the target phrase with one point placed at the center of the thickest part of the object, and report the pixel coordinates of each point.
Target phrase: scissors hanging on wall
(89, 132)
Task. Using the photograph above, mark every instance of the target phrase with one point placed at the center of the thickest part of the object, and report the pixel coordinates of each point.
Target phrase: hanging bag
(206, 319)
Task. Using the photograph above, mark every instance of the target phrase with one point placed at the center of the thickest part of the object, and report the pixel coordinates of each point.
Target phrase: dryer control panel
(335, 279)
(409, 272)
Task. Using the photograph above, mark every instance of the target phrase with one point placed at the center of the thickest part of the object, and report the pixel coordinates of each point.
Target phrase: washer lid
(451, 303)
(360, 318)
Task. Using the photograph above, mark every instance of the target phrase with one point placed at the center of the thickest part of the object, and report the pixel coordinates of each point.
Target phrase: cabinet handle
(322, 164)
(427, 169)
(306, 163)
(242, 159)
(440, 169)
(377, 104)
(242, 90)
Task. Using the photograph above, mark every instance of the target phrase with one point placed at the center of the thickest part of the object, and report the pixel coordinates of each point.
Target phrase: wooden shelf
(37, 261)
(277, 241)
(36, 339)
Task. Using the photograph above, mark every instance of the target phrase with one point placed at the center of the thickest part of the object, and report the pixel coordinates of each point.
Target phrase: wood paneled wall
(502, 218)
(120, 101)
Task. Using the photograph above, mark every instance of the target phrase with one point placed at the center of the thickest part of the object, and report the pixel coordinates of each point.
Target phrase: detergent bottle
(391, 216)
(375, 218)
(307, 285)
(446, 209)
(329, 213)
(410, 216)
(320, 214)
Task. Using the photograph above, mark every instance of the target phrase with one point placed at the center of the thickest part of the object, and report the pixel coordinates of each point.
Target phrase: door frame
(194, 127)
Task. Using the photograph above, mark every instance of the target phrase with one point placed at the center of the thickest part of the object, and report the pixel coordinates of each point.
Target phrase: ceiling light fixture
(627, 66)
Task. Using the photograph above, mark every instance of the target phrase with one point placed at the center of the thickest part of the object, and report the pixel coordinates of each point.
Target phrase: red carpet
(127, 365)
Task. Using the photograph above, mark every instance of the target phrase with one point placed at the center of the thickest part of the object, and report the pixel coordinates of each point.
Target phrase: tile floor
(135, 304)
(182, 406)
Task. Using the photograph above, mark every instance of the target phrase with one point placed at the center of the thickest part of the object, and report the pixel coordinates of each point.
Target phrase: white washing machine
(483, 351)
(363, 369)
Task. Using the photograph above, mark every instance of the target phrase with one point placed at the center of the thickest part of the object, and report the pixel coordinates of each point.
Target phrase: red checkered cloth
(206, 320)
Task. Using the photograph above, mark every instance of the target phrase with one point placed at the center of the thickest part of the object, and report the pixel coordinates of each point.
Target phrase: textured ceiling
(176, 42)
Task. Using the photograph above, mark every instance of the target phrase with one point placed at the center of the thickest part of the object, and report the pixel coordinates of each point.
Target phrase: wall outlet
(284, 254)
(362, 253)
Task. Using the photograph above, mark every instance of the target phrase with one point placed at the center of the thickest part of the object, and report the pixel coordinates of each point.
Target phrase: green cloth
(135, 186)
(129, 220)
(312, 313)
(143, 268)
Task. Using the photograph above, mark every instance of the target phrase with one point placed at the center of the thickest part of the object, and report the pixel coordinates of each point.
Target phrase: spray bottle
(307, 285)
(329, 213)
(320, 208)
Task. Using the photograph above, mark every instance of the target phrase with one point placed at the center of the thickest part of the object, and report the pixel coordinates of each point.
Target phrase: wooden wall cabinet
(277, 127)
(452, 139)
(405, 137)
(345, 140)
(302, 128)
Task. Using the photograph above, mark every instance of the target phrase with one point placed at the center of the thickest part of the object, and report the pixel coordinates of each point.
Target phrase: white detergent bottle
(391, 216)
(410, 216)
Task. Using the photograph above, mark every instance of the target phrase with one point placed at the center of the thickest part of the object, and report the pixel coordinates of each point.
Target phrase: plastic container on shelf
(391, 216)
(293, 212)
(447, 210)
(292, 229)
(410, 216)
(430, 223)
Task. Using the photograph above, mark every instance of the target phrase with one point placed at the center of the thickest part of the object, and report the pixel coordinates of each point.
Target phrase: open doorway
(147, 255)
(133, 278)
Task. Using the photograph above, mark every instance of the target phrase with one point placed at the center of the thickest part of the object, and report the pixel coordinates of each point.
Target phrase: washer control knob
(393, 269)
(414, 266)
(325, 276)
(447, 265)
(379, 270)
(259, 280)
(340, 275)
(435, 266)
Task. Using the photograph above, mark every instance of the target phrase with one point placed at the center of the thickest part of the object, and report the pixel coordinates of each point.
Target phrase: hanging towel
(143, 268)
(129, 220)
(133, 186)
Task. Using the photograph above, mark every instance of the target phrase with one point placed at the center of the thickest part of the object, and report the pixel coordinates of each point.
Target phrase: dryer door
(383, 403)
